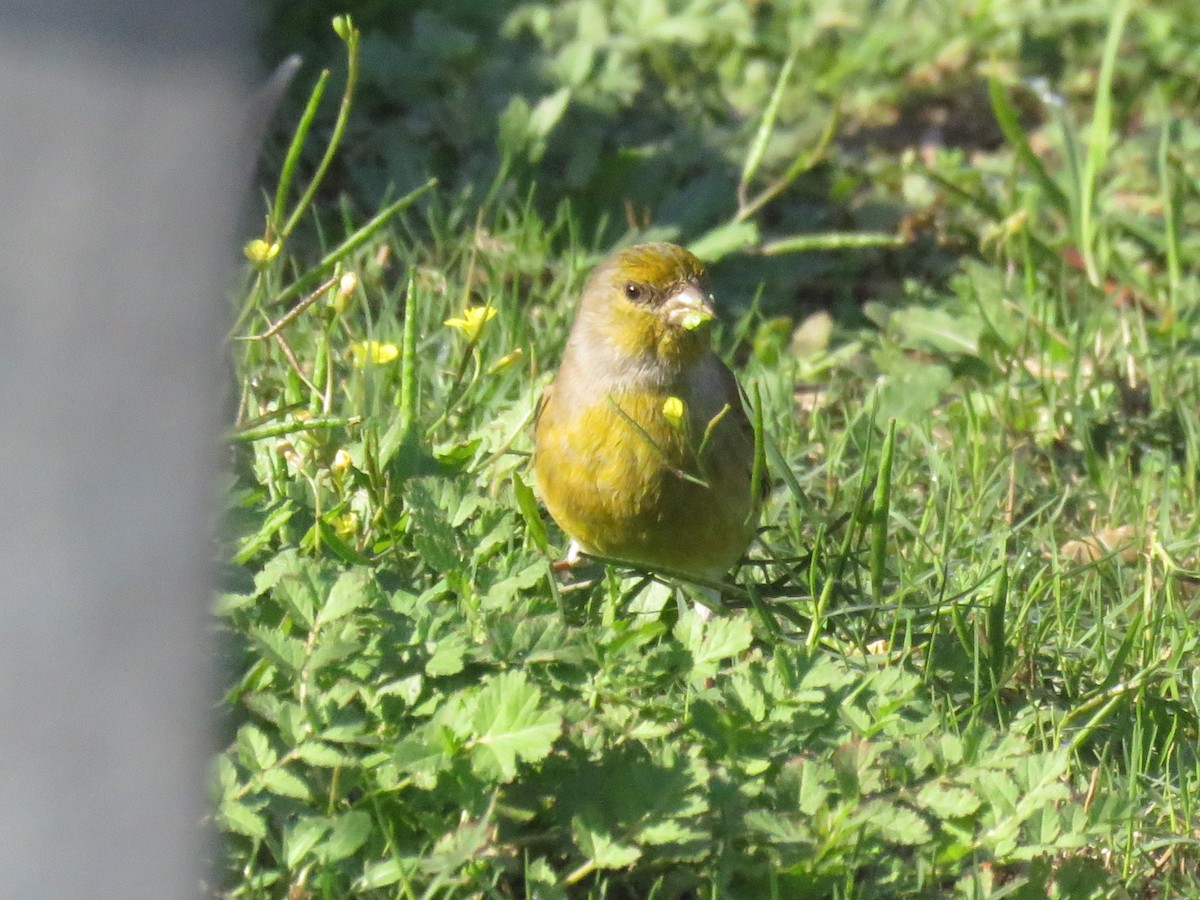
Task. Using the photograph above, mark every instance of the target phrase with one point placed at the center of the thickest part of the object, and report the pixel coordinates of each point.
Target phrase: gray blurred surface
(121, 169)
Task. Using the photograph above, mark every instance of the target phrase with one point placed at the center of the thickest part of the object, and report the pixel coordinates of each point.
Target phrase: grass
(960, 660)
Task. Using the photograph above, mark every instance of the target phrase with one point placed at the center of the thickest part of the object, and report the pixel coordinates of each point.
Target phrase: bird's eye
(634, 292)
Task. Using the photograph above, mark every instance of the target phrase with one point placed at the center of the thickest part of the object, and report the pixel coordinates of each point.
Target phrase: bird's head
(649, 301)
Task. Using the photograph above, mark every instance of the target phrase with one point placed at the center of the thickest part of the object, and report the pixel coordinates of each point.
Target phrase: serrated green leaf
(297, 581)
(950, 747)
(322, 755)
(275, 519)
(241, 819)
(603, 851)
(226, 775)
(254, 749)
(998, 790)
(300, 839)
(897, 824)
(923, 328)
(546, 885)
(283, 783)
(511, 723)
(407, 689)
(345, 732)
(353, 589)
(285, 562)
(349, 833)
(713, 641)
(447, 656)
(459, 847)
(778, 828)
(455, 716)
(285, 652)
(415, 752)
(911, 397)
(226, 604)
(669, 831)
(547, 113)
(749, 695)
(817, 779)
(947, 801)
(293, 722)
(265, 706)
(505, 590)
(468, 506)
(388, 872)
(434, 539)
(330, 650)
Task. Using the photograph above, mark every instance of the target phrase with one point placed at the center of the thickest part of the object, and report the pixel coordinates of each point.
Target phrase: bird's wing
(737, 400)
(541, 404)
(739, 403)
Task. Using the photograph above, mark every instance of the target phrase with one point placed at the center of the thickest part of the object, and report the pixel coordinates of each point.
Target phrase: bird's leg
(705, 613)
(571, 560)
(698, 596)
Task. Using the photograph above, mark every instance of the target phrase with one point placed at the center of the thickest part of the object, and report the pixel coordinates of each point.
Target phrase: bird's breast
(650, 475)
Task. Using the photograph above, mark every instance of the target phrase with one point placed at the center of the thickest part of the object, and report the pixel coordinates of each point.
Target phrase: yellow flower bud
(373, 353)
(673, 409)
(339, 299)
(505, 361)
(341, 461)
(287, 450)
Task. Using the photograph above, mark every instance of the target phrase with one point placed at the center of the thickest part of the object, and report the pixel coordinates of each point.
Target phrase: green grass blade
(408, 363)
(1010, 125)
(1099, 139)
(1171, 207)
(348, 246)
(765, 128)
(350, 35)
(800, 243)
(288, 172)
(997, 625)
(758, 474)
(879, 511)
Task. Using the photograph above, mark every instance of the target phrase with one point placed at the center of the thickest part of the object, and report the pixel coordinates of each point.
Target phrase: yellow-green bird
(642, 448)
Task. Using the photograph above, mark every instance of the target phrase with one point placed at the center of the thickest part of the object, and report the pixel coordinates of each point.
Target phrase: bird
(643, 451)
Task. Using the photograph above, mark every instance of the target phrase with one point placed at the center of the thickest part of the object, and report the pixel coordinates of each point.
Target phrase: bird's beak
(688, 308)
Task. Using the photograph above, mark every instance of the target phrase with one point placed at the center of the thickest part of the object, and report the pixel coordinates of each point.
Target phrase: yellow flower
(471, 322)
(260, 253)
(346, 525)
(673, 410)
(373, 353)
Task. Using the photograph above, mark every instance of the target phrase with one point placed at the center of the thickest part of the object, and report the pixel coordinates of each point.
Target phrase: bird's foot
(705, 613)
(571, 560)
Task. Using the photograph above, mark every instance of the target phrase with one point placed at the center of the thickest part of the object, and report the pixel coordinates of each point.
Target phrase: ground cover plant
(954, 249)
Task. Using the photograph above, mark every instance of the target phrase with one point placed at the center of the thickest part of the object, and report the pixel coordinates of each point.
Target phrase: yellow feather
(642, 448)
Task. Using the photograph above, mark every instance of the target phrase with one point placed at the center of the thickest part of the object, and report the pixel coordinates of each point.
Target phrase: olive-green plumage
(642, 447)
